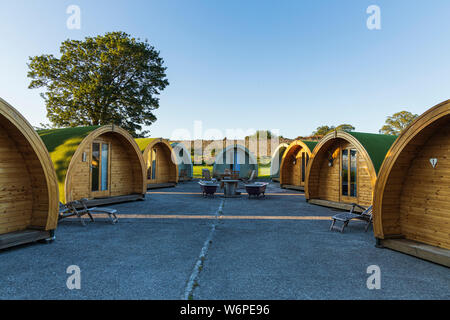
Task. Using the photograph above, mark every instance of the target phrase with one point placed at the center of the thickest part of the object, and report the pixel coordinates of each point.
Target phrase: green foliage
(108, 79)
(345, 127)
(143, 143)
(323, 130)
(263, 134)
(61, 145)
(396, 123)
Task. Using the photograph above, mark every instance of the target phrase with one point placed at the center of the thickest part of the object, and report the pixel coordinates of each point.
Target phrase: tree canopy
(107, 79)
(396, 123)
(323, 130)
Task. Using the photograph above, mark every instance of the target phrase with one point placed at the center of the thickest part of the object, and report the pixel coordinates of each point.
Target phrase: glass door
(236, 161)
(152, 164)
(100, 169)
(305, 160)
(349, 175)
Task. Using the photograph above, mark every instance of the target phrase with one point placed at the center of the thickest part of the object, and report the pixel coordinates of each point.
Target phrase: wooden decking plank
(420, 250)
(21, 237)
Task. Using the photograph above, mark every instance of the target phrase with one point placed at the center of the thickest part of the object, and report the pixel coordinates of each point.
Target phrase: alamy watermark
(374, 280)
(74, 20)
(238, 146)
(374, 20)
(74, 280)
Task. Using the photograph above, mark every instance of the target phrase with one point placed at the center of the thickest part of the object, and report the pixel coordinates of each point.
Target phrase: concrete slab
(263, 256)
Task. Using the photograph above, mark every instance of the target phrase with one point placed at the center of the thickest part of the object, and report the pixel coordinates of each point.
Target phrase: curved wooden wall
(167, 171)
(412, 199)
(289, 173)
(28, 185)
(323, 182)
(127, 169)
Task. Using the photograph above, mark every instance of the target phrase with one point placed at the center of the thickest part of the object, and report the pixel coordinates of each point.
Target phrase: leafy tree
(323, 130)
(261, 133)
(345, 127)
(396, 123)
(111, 78)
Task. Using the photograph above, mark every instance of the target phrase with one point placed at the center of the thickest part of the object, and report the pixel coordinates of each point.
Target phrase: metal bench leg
(332, 224)
(344, 225)
(81, 220)
(113, 218)
(368, 225)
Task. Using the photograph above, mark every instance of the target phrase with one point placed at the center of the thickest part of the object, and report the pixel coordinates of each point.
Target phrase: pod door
(152, 170)
(299, 165)
(349, 175)
(100, 169)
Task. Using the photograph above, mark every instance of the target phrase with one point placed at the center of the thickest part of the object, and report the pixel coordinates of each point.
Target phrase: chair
(234, 175)
(183, 175)
(206, 175)
(250, 177)
(346, 217)
(109, 211)
(70, 209)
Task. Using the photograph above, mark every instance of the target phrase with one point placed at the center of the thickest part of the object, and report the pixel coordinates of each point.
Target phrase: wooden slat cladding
(425, 197)
(290, 172)
(412, 198)
(166, 168)
(28, 187)
(324, 171)
(125, 171)
(16, 200)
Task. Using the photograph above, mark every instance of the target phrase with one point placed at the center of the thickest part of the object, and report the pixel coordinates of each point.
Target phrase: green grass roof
(310, 144)
(376, 145)
(144, 142)
(62, 144)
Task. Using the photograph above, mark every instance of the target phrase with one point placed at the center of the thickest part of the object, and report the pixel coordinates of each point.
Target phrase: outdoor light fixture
(84, 157)
(330, 159)
(433, 162)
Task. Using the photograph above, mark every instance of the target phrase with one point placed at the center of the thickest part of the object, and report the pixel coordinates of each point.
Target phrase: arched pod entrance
(343, 168)
(235, 158)
(160, 162)
(412, 193)
(28, 186)
(275, 162)
(102, 164)
(294, 164)
(184, 161)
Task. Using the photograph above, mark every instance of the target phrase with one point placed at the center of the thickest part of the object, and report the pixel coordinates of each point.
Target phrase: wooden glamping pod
(343, 168)
(294, 163)
(28, 186)
(235, 158)
(412, 193)
(184, 161)
(275, 162)
(160, 163)
(102, 164)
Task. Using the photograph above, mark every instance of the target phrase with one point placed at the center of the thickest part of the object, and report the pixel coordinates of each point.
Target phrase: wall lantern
(330, 159)
(433, 162)
(84, 157)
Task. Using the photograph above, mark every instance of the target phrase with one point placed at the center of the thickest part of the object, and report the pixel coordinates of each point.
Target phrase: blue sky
(287, 65)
